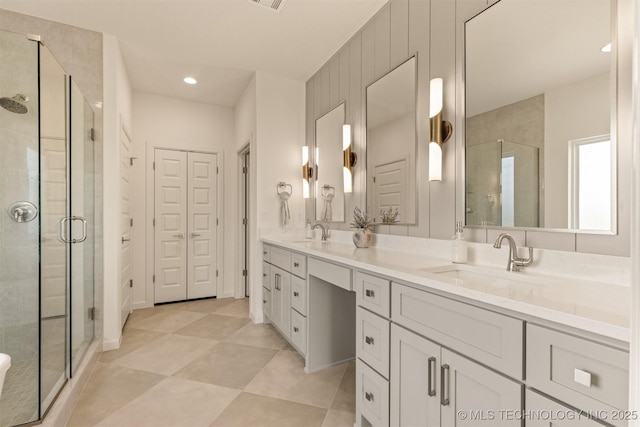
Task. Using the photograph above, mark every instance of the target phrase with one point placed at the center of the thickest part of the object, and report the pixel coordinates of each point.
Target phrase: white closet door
(391, 187)
(170, 225)
(201, 262)
(126, 187)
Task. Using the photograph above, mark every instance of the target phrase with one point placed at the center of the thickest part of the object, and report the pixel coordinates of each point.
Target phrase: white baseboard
(108, 345)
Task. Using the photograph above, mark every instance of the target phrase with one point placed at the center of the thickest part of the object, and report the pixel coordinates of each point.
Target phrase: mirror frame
(613, 120)
(414, 56)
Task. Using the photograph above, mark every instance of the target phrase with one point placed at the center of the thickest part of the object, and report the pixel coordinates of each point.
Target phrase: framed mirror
(391, 144)
(329, 186)
(540, 104)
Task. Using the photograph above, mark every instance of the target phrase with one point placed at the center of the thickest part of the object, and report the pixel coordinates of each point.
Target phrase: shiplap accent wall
(434, 31)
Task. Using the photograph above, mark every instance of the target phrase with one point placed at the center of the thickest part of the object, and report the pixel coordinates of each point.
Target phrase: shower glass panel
(53, 207)
(46, 227)
(19, 241)
(82, 228)
(506, 184)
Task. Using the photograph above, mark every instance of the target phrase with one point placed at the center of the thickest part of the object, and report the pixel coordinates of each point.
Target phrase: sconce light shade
(307, 172)
(440, 130)
(349, 159)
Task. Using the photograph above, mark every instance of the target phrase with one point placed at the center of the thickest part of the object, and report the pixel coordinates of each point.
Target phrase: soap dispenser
(459, 246)
(308, 231)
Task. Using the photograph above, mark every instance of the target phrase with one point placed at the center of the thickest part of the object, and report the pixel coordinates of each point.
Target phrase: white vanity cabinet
(372, 348)
(284, 293)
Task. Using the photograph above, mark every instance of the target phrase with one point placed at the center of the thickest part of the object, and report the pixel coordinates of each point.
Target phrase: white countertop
(596, 307)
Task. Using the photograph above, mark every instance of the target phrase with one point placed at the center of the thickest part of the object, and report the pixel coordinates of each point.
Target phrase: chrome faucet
(325, 232)
(514, 262)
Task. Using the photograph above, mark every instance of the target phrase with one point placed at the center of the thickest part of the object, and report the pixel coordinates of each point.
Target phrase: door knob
(192, 235)
(179, 235)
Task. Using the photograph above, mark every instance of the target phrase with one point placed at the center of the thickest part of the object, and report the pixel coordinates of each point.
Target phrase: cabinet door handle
(296, 264)
(295, 294)
(369, 293)
(432, 376)
(444, 385)
(295, 329)
(277, 284)
(368, 340)
(368, 396)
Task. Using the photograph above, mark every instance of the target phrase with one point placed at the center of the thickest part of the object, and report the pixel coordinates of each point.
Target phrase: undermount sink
(470, 276)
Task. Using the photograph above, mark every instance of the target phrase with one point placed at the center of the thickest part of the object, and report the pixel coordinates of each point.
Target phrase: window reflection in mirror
(537, 79)
(391, 144)
(329, 190)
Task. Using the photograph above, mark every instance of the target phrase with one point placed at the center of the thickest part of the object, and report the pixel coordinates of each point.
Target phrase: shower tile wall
(79, 52)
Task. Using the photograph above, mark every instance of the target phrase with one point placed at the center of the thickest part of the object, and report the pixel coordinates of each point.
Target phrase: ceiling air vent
(273, 5)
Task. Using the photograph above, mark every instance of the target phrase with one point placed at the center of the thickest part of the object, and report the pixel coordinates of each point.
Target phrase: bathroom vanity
(443, 344)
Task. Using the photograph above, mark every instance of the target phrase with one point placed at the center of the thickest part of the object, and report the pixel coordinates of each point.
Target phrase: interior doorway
(244, 169)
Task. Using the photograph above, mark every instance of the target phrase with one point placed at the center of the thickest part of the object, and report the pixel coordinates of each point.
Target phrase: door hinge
(244, 221)
(217, 170)
(130, 222)
(92, 134)
(92, 313)
(244, 273)
(216, 273)
(154, 278)
(154, 222)
(374, 179)
(131, 161)
(244, 169)
(154, 165)
(217, 221)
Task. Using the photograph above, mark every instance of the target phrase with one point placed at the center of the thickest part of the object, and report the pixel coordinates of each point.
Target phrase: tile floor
(204, 363)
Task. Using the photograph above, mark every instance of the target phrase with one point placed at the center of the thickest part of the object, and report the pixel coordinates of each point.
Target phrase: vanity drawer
(299, 332)
(373, 293)
(280, 258)
(332, 273)
(372, 335)
(538, 404)
(265, 275)
(266, 252)
(266, 302)
(299, 295)
(582, 373)
(492, 339)
(299, 265)
(372, 395)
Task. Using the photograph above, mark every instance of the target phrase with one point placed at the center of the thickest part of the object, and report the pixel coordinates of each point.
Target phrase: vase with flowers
(363, 234)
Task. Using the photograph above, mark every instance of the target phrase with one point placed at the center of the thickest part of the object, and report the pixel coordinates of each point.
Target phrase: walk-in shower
(46, 227)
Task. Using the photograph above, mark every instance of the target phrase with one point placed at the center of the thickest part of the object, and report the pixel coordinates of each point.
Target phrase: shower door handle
(62, 229)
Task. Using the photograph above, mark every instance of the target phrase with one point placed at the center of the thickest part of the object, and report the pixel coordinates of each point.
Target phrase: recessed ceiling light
(606, 48)
(190, 80)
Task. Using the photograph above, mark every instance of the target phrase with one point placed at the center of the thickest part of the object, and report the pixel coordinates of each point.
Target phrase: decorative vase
(362, 238)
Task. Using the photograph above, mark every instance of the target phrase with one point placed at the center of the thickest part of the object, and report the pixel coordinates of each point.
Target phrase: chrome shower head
(15, 104)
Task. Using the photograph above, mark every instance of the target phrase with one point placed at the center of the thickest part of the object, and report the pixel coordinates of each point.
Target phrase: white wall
(166, 122)
(117, 112)
(280, 132)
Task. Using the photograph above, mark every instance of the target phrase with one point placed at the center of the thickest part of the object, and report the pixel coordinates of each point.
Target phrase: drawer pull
(295, 294)
(432, 376)
(444, 385)
(582, 377)
(368, 396)
(370, 293)
(296, 264)
(295, 329)
(368, 340)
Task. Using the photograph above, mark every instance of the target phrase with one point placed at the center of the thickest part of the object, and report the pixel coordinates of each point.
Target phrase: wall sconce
(440, 130)
(307, 172)
(349, 159)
